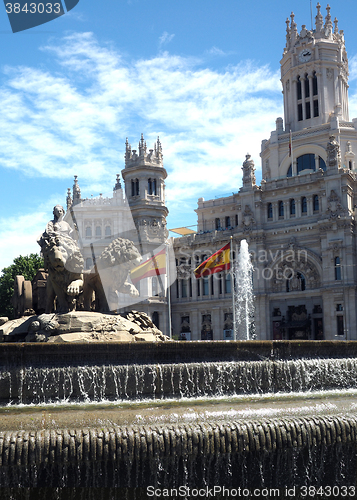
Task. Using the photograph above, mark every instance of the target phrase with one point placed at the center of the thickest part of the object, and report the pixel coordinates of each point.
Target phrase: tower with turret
(300, 222)
(144, 177)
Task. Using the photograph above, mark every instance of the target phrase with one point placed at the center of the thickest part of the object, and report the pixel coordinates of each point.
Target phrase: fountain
(243, 296)
(164, 414)
(247, 415)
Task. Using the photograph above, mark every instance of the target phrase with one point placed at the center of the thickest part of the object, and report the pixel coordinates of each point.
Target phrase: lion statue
(110, 275)
(64, 263)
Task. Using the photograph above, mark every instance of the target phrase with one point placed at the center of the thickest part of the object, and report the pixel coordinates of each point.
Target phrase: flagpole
(233, 292)
(168, 291)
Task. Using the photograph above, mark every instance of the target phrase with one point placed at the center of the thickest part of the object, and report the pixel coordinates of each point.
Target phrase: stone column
(302, 80)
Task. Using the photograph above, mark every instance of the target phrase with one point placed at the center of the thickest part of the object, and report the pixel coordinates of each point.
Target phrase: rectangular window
(228, 222)
(316, 108)
(340, 325)
(218, 223)
(308, 110)
(228, 283)
(220, 284)
(206, 285)
(299, 112)
(184, 288)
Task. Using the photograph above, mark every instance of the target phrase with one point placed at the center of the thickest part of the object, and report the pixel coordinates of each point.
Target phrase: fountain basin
(242, 414)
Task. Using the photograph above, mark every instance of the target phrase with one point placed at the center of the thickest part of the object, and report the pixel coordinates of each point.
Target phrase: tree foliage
(27, 267)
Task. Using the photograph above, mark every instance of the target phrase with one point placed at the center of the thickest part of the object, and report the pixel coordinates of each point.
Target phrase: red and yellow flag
(152, 267)
(219, 261)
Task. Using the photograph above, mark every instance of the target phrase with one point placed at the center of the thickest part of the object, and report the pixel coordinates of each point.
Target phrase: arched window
(98, 232)
(88, 232)
(298, 88)
(303, 205)
(337, 268)
(281, 209)
(152, 186)
(314, 83)
(305, 162)
(135, 187)
(302, 280)
(108, 231)
(270, 210)
(292, 207)
(316, 203)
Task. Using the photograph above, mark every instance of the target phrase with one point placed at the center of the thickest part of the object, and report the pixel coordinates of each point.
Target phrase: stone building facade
(299, 222)
(138, 213)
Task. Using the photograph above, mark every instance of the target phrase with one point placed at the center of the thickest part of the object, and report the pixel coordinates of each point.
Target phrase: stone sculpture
(64, 263)
(110, 274)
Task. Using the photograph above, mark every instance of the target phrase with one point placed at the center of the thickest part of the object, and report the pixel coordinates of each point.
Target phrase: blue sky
(203, 75)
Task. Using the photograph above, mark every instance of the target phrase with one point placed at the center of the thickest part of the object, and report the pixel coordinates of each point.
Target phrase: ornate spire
(336, 25)
(118, 184)
(76, 191)
(319, 19)
(158, 148)
(127, 155)
(69, 198)
(142, 146)
(328, 22)
(294, 31)
(288, 33)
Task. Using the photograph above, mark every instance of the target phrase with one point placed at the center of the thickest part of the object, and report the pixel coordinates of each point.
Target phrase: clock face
(305, 55)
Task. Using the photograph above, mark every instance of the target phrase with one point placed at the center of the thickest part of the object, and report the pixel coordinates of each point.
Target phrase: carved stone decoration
(183, 271)
(333, 152)
(334, 206)
(295, 276)
(84, 327)
(110, 275)
(329, 73)
(248, 168)
(248, 219)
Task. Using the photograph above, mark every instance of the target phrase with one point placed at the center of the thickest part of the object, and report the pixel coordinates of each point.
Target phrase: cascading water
(243, 295)
(249, 414)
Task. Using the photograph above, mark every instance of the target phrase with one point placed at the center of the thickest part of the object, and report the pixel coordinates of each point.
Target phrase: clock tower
(314, 73)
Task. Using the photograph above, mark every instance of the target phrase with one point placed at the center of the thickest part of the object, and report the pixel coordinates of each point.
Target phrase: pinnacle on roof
(328, 23)
(154, 155)
(319, 19)
(118, 183)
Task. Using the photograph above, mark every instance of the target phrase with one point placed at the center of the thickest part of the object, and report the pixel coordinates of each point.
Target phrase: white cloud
(73, 117)
(165, 38)
(215, 51)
